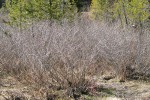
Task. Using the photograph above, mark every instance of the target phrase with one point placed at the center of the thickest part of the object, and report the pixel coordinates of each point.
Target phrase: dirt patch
(11, 89)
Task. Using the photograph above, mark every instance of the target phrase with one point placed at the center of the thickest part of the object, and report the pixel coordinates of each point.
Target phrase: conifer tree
(127, 11)
(40, 9)
(137, 10)
(101, 9)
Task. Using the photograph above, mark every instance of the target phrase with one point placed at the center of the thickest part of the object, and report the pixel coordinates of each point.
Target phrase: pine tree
(28, 10)
(101, 9)
(137, 10)
(120, 11)
(127, 11)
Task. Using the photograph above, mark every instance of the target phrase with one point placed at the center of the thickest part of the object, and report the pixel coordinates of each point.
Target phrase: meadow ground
(12, 89)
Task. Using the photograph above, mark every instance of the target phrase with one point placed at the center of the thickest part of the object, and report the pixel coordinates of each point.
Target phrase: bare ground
(11, 89)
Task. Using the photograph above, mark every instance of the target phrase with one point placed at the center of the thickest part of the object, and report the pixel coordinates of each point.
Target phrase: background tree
(137, 10)
(127, 11)
(39, 9)
(101, 9)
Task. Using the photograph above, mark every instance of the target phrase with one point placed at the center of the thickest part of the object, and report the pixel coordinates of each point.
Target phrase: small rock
(108, 77)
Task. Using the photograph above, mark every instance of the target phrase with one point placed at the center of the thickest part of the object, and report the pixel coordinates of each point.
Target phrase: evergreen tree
(127, 11)
(101, 9)
(137, 10)
(27, 10)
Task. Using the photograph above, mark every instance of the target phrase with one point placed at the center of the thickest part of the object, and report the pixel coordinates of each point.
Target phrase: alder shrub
(63, 54)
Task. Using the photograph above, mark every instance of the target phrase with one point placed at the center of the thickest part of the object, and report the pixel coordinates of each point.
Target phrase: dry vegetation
(66, 56)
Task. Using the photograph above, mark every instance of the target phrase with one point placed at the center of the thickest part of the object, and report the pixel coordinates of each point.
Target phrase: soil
(11, 89)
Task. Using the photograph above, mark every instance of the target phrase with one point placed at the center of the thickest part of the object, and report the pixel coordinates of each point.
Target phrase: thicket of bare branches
(63, 54)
